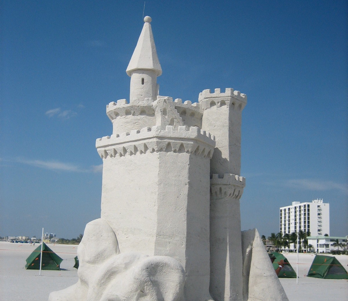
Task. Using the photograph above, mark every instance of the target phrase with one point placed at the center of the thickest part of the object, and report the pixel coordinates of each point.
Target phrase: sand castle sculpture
(170, 215)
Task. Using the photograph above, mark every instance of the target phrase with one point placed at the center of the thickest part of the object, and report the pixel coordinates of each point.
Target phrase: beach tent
(287, 271)
(327, 267)
(76, 265)
(50, 260)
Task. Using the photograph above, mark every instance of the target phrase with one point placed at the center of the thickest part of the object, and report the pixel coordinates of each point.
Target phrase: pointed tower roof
(145, 55)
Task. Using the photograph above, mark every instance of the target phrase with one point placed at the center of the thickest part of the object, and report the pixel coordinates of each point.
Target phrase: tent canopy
(327, 267)
(50, 260)
(287, 271)
(76, 265)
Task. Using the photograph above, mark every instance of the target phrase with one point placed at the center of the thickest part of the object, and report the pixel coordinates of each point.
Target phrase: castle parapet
(190, 112)
(187, 104)
(230, 98)
(226, 185)
(122, 108)
(154, 139)
(227, 179)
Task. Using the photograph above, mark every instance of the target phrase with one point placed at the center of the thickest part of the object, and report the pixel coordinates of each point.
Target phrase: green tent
(327, 267)
(287, 271)
(76, 265)
(50, 260)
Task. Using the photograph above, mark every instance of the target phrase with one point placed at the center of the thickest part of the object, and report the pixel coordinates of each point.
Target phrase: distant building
(311, 217)
(326, 244)
(49, 235)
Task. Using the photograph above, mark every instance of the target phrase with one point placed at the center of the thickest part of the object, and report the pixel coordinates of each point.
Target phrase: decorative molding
(153, 139)
(122, 108)
(226, 186)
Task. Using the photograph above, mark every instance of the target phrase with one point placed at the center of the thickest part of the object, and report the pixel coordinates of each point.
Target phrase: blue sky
(63, 61)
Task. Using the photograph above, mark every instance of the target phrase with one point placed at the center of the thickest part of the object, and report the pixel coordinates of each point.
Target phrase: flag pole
(42, 236)
(298, 240)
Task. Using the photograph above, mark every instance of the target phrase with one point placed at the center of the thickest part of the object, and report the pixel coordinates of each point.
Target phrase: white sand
(17, 283)
(309, 288)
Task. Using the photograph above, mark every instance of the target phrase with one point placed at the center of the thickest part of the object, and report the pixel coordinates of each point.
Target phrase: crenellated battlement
(229, 92)
(227, 179)
(187, 104)
(190, 112)
(230, 98)
(154, 139)
(226, 186)
(122, 108)
(155, 131)
(118, 103)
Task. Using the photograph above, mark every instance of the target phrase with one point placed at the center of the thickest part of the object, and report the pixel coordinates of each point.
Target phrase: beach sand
(18, 284)
(309, 288)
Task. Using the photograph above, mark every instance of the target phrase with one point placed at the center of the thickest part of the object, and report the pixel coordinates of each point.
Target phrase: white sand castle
(170, 216)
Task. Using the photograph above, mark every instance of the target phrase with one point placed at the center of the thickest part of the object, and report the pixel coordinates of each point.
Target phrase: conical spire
(145, 55)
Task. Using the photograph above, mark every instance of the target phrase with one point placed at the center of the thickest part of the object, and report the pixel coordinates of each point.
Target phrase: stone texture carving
(171, 195)
(166, 114)
(104, 274)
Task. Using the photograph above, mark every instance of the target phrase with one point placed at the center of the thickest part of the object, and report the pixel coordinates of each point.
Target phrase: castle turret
(155, 190)
(144, 67)
(222, 116)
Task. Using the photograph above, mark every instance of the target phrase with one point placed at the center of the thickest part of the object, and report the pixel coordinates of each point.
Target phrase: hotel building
(313, 217)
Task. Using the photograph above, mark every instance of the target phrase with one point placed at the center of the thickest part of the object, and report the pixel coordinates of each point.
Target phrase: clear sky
(63, 61)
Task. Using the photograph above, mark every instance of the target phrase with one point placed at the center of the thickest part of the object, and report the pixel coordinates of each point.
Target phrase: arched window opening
(142, 81)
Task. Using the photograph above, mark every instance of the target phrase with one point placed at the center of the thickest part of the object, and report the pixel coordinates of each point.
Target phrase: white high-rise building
(311, 217)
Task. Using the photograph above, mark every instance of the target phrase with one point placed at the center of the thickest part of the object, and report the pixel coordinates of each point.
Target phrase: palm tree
(79, 238)
(263, 238)
(272, 238)
(279, 239)
(293, 239)
(305, 244)
(286, 239)
(285, 244)
(301, 237)
(337, 244)
(310, 247)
